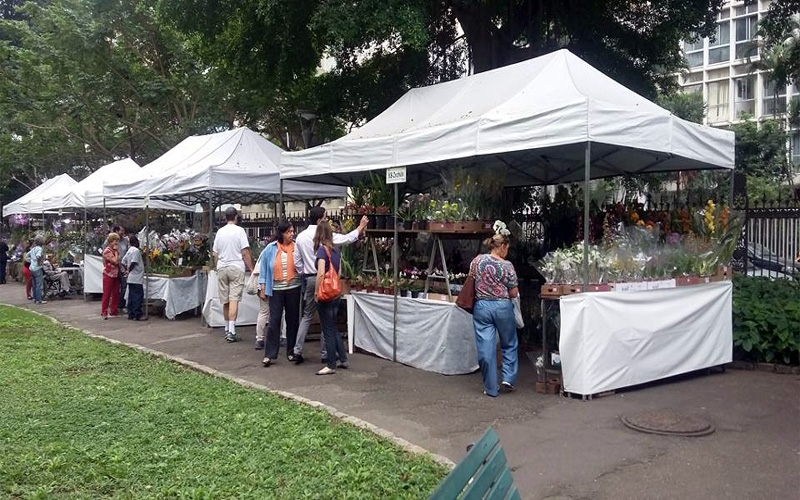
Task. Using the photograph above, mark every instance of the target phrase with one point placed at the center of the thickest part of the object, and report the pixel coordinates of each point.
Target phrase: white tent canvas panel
(88, 193)
(32, 202)
(229, 164)
(535, 118)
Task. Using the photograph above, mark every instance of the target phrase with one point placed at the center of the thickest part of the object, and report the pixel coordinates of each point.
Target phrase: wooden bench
(483, 473)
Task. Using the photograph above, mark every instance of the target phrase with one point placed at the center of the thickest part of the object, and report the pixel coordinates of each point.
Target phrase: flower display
(167, 252)
(500, 227)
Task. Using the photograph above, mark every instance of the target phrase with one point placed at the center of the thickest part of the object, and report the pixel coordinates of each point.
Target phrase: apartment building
(722, 70)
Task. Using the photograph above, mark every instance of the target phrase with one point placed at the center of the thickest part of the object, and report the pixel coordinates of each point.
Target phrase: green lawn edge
(85, 418)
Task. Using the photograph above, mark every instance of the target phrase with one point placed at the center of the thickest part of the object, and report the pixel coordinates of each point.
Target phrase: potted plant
(369, 284)
(405, 216)
(388, 285)
(402, 285)
(358, 283)
(382, 216)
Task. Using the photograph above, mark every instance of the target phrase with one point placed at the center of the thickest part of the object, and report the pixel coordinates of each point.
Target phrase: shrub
(766, 319)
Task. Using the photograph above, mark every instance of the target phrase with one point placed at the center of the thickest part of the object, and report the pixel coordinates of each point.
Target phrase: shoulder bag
(331, 286)
(466, 297)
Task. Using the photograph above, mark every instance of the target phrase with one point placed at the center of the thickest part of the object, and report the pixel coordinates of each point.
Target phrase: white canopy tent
(548, 120)
(88, 193)
(237, 165)
(535, 117)
(32, 203)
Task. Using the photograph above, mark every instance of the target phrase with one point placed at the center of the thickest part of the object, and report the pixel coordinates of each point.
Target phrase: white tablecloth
(611, 340)
(212, 308)
(92, 274)
(432, 335)
(179, 294)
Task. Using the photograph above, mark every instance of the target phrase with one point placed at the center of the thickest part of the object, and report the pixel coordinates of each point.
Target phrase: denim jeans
(309, 308)
(490, 318)
(334, 346)
(38, 284)
(288, 300)
(135, 299)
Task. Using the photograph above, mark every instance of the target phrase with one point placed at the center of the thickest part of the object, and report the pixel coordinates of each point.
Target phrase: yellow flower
(708, 217)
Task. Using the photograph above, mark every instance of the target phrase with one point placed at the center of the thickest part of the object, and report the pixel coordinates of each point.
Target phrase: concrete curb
(402, 443)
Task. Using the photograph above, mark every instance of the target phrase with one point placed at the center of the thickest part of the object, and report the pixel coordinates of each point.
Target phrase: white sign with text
(395, 175)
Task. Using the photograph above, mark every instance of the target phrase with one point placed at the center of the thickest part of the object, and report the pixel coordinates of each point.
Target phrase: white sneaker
(326, 371)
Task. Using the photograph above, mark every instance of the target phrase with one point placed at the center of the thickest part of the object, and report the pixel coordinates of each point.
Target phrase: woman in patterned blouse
(495, 285)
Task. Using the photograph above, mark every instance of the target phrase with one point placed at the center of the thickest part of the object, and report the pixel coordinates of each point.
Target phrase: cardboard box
(551, 290)
(570, 289)
(659, 284)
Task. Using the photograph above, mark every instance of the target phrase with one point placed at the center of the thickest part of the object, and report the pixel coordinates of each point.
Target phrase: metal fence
(772, 233)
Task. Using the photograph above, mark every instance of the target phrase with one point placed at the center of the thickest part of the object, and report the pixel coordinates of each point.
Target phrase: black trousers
(282, 300)
(3, 265)
(123, 284)
(135, 300)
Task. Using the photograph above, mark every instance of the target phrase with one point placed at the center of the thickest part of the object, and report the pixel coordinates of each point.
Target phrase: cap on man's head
(231, 213)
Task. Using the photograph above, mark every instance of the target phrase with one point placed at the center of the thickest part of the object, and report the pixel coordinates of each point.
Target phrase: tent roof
(88, 193)
(31, 203)
(534, 118)
(237, 165)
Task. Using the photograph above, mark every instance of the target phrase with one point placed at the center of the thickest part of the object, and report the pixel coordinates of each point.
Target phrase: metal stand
(548, 368)
(370, 247)
(437, 243)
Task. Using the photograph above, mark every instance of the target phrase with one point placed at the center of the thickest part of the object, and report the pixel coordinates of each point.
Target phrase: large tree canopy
(384, 47)
(83, 82)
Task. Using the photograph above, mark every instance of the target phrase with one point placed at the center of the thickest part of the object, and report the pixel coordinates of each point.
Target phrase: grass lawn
(81, 418)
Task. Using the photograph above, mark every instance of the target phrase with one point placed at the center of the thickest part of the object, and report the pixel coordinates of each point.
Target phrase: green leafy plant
(766, 319)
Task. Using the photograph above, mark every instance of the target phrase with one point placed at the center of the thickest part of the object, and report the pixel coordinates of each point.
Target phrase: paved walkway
(557, 447)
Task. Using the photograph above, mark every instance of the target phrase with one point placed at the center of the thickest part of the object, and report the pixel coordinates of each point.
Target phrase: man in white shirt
(133, 263)
(232, 256)
(305, 264)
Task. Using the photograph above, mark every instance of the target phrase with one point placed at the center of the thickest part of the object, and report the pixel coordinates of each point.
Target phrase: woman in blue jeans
(495, 285)
(328, 256)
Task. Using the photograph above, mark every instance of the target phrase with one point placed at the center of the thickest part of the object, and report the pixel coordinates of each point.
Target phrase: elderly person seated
(53, 273)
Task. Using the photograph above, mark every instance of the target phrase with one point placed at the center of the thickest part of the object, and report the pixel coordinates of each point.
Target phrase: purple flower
(673, 239)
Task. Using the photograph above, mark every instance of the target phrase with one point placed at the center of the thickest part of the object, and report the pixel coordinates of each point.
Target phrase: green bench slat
(502, 487)
(454, 483)
(482, 473)
(485, 477)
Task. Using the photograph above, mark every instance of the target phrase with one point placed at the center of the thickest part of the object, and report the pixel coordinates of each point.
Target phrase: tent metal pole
(105, 219)
(146, 266)
(280, 201)
(85, 245)
(587, 176)
(395, 251)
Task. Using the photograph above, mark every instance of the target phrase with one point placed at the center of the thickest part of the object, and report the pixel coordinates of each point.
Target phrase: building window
(718, 101)
(795, 151)
(748, 8)
(694, 53)
(694, 89)
(719, 50)
(745, 101)
(773, 103)
(746, 45)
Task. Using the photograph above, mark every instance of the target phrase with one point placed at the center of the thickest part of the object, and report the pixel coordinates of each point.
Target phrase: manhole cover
(668, 423)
